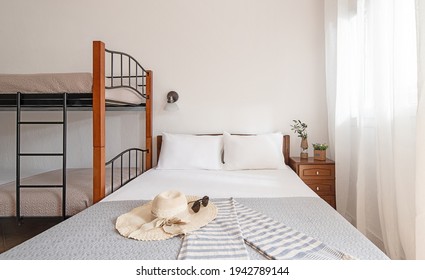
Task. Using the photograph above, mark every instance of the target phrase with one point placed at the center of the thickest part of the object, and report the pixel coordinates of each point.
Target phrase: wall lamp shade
(172, 98)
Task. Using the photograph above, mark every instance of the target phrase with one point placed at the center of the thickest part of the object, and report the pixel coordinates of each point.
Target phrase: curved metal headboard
(133, 163)
(134, 78)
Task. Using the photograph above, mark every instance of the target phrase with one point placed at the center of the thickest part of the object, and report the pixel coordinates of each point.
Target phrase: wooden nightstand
(319, 175)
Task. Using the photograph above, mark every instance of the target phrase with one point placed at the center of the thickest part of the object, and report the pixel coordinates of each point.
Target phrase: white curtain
(371, 72)
(420, 137)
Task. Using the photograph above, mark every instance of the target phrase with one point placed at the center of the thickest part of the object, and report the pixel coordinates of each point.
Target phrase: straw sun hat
(167, 215)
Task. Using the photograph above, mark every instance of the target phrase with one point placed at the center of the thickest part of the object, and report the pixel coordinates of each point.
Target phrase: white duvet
(215, 184)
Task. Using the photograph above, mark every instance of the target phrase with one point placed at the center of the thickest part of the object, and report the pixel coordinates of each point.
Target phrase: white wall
(239, 65)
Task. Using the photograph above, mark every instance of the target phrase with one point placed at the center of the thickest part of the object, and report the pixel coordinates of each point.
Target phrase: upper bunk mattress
(74, 83)
(46, 83)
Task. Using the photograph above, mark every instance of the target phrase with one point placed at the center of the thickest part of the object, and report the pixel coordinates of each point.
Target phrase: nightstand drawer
(317, 171)
(317, 175)
(321, 187)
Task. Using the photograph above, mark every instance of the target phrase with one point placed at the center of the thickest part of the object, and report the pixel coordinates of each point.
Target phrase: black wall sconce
(172, 98)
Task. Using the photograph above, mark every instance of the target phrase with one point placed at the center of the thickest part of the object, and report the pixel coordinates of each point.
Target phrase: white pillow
(185, 151)
(253, 151)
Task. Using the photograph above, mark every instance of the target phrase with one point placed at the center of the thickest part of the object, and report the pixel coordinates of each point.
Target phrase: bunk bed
(127, 86)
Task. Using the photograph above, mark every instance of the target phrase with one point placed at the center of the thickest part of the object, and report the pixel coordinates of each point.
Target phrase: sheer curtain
(371, 72)
(420, 130)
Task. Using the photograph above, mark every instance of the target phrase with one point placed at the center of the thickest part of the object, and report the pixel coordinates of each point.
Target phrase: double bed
(230, 168)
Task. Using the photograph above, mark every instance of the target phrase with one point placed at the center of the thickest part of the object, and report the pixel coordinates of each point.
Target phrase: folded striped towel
(235, 224)
(220, 239)
(275, 240)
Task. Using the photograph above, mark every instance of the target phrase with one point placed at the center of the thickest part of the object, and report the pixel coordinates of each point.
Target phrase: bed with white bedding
(91, 234)
(277, 193)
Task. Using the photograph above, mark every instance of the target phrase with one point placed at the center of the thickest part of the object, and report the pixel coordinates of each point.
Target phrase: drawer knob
(317, 189)
(317, 172)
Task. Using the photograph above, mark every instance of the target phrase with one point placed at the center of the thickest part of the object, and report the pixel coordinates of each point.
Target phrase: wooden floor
(12, 233)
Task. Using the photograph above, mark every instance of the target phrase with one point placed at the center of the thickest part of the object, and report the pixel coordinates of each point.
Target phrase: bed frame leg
(98, 121)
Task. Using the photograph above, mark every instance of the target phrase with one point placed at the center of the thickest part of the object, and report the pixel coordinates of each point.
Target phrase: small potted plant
(300, 128)
(320, 151)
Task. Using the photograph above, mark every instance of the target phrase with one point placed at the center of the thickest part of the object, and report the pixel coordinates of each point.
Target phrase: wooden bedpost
(286, 148)
(98, 121)
(149, 119)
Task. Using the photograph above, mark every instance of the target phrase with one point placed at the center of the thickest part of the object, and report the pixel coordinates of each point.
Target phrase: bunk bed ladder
(19, 154)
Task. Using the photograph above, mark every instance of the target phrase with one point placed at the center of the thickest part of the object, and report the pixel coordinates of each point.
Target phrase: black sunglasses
(197, 203)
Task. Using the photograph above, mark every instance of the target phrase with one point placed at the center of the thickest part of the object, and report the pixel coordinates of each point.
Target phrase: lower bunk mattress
(41, 202)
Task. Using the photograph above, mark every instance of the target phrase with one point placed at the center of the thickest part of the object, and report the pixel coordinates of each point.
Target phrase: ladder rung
(40, 123)
(126, 77)
(41, 186)
(41, 154)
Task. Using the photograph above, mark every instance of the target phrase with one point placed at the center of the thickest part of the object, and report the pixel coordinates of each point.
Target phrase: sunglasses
(197, 203)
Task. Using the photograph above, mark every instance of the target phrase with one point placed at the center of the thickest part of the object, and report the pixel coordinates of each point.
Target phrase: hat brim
(129, 224)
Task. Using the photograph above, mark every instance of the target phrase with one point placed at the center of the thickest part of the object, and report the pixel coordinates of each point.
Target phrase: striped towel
(275, 240)
(220, 239)
(223, 238)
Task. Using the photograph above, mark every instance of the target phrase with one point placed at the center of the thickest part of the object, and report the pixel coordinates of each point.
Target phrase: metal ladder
(19, 154)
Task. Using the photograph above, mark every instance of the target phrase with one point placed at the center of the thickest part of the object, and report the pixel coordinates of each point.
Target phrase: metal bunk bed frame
(99, 87)
(96, 100)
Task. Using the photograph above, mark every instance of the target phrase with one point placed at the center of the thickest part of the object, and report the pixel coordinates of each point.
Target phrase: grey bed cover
(91, 234)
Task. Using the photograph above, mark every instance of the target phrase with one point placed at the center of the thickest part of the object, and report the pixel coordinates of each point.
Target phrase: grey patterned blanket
(91, 234)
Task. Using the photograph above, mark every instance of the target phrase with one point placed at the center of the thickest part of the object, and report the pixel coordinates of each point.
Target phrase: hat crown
(169, 204)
